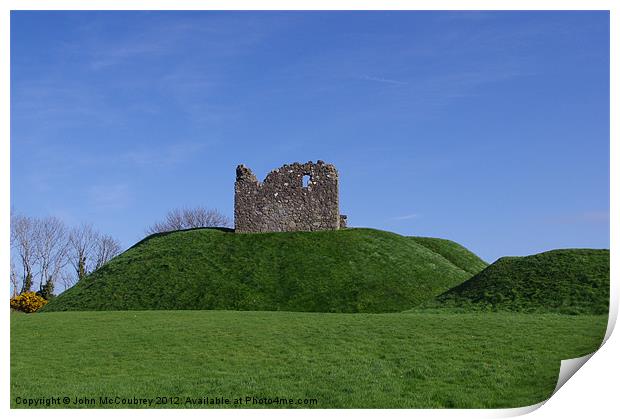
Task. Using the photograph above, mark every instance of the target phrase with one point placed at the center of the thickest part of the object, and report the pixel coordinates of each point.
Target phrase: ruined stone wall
(282, 202)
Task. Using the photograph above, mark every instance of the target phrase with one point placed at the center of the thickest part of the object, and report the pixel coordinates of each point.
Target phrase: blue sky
(487, 128)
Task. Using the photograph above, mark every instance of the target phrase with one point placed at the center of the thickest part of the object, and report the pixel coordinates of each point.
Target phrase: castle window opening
(305, 181)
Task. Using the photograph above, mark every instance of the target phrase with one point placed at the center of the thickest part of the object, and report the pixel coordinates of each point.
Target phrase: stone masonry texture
(295, 197)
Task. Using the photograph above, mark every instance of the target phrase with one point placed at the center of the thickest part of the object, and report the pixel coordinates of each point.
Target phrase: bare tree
(83, 243)
(23, 241)
(52, 249)
(180, 219)
(202, 217)
(105, 249)
(46, 250)
(68, 279)
(14, 280)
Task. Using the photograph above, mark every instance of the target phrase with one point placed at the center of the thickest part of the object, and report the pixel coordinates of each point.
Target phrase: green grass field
(473, 336)
(416, 359)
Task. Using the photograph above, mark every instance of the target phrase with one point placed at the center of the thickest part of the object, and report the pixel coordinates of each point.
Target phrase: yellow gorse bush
(28, 302)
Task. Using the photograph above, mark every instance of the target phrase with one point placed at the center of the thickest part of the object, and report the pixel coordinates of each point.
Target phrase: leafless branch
(106, 248)
(83, 243)
(180, 219)
(23, 242)
(51, 247)
(14, 280)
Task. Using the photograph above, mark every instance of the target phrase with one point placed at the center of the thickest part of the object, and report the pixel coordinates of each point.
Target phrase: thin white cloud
(121, 52)
(466, 15)
(381, 80)
(157, 37)
(405, 217)
(162, 156)
(114, 196)
(590, 217)
(596, 216)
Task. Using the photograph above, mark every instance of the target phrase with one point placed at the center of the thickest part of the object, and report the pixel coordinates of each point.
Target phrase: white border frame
(592, 392)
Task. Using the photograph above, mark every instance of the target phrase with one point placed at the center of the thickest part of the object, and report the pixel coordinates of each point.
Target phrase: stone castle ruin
(295, 197)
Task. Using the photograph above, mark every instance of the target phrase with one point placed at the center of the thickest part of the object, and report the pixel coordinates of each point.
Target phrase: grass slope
(352, 270)
(406, 360)
(566, 281)
(454, 252)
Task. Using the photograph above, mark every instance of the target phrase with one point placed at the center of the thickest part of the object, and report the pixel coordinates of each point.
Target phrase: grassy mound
(454, 252)
(565, 281)
(352, 270)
